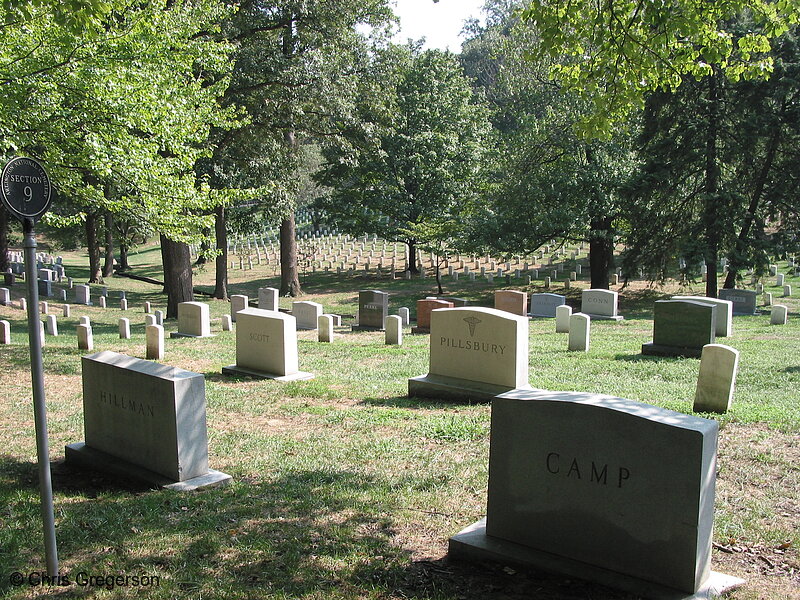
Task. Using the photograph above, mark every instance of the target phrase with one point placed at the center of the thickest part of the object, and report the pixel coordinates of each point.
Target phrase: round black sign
(25, 188)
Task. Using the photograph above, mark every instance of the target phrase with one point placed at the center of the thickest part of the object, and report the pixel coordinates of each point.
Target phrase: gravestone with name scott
(475, 354)
(144, 421)
(544, 305)
(724, 323)
(600, 304)
(424, 309)
(194, 320)
(681, 328)
(579, 485)
(744, 301)
(266, 346)
(373, 308)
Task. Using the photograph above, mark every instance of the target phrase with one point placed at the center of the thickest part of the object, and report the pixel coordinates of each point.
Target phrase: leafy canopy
(613, 52)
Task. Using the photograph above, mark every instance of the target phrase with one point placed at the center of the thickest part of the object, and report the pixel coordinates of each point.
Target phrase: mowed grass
(343, 487)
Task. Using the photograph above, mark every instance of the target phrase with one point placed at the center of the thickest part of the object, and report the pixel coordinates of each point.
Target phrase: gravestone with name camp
(475, 354)
(681, 328)
(544, 305)
(744, 301)
(266, 346)
(144, 421)
(600, 304)
(580, 484)
(373, 308)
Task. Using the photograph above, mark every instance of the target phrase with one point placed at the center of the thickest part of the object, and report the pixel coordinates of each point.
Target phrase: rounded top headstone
(26, 189)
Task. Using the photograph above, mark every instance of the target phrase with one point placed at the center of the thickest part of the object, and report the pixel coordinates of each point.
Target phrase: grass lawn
(345, 488)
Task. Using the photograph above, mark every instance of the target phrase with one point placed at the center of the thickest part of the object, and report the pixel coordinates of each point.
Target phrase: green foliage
(615, 53)
(414, 155)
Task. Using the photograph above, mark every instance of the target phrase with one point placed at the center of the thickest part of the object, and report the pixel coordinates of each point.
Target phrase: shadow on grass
(646, 358)
(791, 370)
(416, 403)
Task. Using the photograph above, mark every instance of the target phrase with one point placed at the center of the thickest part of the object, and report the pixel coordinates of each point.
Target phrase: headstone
(373, 308)
(84, 320)
(325, 328)
(85, 339)
(718, 367)
(5, 296)
(5, 332)
(144, 421)
(579, 485)
(159, 315)
(147, 307)
(787, 291)
(266, 346)
(44, 308)
(124, 329)
(424, 309)
(394, 330)
(150, 320)
(194, 320)
(681, 328)
(83, 294)
(511, 301)
(779, 279)
(600, 304)
(23, 304)
(545, 305)
(767, 299)
(62, 295)
(52, 325)
(123, 304)
(66, 310)
(238, 302)
(154, 337)
(268, 298)
(475, 353)
(227, 323)
(405, 315)
(547, 283)
(778, 314)
(744, 301)
(579, 328)
(102, 301)
(724, 322)
(563, 316)
(45, 288)
(307, 314)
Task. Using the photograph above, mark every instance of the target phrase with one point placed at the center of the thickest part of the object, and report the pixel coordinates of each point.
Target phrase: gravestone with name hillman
(144, 421)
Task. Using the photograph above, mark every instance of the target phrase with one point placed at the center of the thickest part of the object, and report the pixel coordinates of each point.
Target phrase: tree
(413, 153)
(549, 184)
(619, 51)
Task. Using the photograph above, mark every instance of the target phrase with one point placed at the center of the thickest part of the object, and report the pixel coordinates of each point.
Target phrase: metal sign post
(26, 193)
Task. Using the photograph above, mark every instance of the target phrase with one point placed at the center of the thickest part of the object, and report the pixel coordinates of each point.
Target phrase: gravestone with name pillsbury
(600, 304)
(266, 346)
(373, 308)
(544, 305)
(681, 328)
(475, 354)
(144, 421)
(578, 485)
(744, 301)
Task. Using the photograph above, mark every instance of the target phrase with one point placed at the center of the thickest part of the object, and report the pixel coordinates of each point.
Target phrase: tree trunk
(439, 279)
(712, 198)
(735, 262)
(93, 247)
(411, 261)
(177, 274)
(201, 257)
(3, 240)
(601, 252)
(290, 283)
(123, 230)
(108, 266)
(221, 262)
